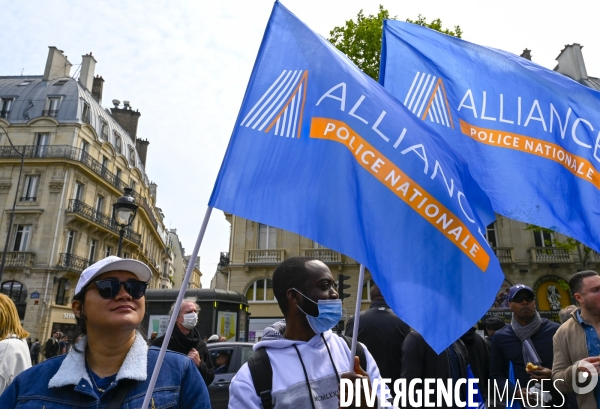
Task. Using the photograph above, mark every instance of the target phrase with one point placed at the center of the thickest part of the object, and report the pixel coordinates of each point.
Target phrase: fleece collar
(72, 369)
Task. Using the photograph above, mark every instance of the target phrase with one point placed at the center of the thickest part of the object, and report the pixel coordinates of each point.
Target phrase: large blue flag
(530, 134)
(322, 150)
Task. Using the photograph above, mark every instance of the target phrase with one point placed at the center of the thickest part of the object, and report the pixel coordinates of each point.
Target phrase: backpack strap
(360, 351)
(262, 376)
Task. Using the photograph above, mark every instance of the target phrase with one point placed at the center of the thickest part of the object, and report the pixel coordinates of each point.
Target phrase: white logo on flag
(427, 98)
(281, 105)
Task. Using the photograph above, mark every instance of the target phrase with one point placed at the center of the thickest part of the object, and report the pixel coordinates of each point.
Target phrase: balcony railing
(64, 152)
(72, 262)
(325, 255)
(88, 212)
(505, 254)
(53, 113)
(554, 255)
(272, 256)
(19, 259)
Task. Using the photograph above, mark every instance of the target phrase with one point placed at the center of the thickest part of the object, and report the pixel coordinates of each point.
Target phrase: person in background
(566, 312)
(34, 351)
(63, 345)
(14, 354)
(479, 358)
(493, 324)
(51, 349)
(222, 339)
(111, 364)
(222, 362)
(186, 340)
(152, 338)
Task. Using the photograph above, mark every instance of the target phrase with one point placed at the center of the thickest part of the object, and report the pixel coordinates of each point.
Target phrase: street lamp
(10, 223)
(124, 211)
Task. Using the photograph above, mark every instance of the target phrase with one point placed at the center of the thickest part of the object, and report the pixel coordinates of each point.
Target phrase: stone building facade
(78, 158)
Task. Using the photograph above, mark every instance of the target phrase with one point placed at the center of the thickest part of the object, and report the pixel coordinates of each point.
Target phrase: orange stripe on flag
(431, 98)
(421, 201)
(577, 165)
(304, 76)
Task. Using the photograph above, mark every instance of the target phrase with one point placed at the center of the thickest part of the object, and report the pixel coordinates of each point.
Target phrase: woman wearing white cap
(111, 365)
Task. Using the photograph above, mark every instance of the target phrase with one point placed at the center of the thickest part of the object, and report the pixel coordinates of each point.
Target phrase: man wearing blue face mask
(306, 358)
(186, 339)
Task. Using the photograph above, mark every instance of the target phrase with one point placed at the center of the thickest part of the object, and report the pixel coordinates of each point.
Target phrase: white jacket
(290, 389)
(14, 359)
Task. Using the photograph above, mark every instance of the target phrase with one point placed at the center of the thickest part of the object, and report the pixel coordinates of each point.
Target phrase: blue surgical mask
(330, 313)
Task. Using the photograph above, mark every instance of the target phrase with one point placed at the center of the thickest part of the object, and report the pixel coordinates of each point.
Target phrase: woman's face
(120, 313)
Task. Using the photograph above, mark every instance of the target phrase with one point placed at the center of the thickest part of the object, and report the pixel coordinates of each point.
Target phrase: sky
(185, 66)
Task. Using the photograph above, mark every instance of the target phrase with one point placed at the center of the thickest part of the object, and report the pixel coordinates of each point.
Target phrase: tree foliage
(360, 40)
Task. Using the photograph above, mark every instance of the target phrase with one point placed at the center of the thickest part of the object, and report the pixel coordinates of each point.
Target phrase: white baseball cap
(113, 263)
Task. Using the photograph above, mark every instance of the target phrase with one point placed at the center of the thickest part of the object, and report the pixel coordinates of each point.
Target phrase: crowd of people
(299, 362)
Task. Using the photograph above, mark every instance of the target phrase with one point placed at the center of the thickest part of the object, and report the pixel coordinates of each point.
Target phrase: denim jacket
(63, 382)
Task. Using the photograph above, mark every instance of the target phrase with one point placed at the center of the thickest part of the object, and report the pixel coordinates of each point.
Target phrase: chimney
(526, 54)
(152, 187)
(86, 76)
(127, 118)
(97, 88)
(57, 65)
(570, 62)
(141, 146)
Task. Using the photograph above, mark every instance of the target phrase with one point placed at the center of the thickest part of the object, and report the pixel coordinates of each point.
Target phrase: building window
(85, 113)
(78, 191)
(118, 177)
(267, 237)
(109, 251)
(118, 143)
(70, 240)
(21, 241)
(41, 144)
(366, 290)
(104, 166)
(491, 235)
(30, 188)
(13, 290)
(261, 291)
(103, 129)
(543, 239)
(92, 255)
(5, 106)
(53, 107)
(125, 255)
(85, 152)
(132, 156)
(100, 204)
(133, 184)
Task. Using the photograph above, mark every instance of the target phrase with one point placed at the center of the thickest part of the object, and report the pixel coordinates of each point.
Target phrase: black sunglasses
(110, 288)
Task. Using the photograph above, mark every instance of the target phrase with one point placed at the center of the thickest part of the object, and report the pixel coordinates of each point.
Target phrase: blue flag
(530, 134)
(322, 150)
(510, 403)
(477, 398)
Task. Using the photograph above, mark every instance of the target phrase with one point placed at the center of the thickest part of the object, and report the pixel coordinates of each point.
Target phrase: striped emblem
(281, 106)
(427, 98)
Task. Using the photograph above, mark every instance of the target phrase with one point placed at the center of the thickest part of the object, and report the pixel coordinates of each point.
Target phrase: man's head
(565, 313)
(153, 335)
(521, 303)
(222, 359)
(494, 324)
(57, 334)
(376, 293)
(585, 286)
(189, 307)
(298, 278)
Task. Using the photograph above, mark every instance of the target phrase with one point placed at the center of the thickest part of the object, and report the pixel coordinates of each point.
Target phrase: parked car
(227, 358)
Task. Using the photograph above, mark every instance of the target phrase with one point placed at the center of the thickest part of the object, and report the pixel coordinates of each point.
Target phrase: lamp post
(124, 211)
(10, 222)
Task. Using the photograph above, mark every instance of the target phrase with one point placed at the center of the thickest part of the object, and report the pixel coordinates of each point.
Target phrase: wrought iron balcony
(53, 113)
(28, 199)
(72, 262)
(64, 152)
(19, 259)
(272, 256)
(88, 212)
(505, 254)
(325, 255)
(553, 255)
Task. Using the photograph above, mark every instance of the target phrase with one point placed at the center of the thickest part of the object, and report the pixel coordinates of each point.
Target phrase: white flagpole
(361, 278)
(184, 284)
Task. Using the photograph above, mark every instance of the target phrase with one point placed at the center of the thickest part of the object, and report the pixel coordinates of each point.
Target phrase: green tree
(360, 40)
